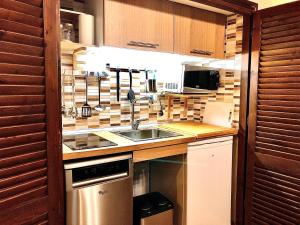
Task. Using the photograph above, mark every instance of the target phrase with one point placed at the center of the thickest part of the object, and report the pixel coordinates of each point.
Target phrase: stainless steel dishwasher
(99, 191)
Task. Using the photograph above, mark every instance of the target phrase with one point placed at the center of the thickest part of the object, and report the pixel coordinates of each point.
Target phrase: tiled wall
(230, 81)
(228, 92)
(234, 36)
(234, 51)
(118, 113)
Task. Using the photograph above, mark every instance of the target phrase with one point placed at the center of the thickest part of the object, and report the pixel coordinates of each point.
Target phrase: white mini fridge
(209, 173)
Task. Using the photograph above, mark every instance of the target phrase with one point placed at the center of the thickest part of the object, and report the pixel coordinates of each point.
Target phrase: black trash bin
(152, 209)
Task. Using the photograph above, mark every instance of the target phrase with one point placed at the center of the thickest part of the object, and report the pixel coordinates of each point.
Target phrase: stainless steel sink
(147, 134)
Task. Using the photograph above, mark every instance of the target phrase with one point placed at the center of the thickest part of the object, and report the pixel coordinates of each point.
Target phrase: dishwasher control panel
(100, 170)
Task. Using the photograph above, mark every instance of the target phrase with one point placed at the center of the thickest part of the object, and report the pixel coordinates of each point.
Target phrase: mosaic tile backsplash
(118, 113)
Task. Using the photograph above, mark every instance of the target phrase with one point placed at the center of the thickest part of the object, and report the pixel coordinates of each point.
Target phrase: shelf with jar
(77, 30)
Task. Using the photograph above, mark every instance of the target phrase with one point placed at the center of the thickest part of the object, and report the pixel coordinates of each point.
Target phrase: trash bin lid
(151, 204)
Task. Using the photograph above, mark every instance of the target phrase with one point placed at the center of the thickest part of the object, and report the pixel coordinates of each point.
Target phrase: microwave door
(195, 80)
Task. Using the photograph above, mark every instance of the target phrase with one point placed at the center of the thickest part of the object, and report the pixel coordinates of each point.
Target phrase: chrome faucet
(135, 123)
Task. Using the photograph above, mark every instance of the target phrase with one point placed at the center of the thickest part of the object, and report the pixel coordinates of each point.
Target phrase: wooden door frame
(56, 208)
(252, 116)
(53, 99)
(243, 120)
(243, 7)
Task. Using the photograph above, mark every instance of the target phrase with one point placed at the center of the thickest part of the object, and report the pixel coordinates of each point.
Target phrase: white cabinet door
(209, 169)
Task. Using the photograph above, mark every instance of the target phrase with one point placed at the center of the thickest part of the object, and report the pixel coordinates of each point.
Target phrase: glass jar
(67, 31)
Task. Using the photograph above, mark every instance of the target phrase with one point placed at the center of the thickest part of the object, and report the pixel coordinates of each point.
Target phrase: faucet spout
(135, 123)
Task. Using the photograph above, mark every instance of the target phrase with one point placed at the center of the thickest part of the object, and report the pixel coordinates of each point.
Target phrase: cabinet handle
(142, 44)
(201, 52)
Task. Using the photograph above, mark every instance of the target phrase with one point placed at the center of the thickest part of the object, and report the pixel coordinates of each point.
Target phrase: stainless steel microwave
(200, 80)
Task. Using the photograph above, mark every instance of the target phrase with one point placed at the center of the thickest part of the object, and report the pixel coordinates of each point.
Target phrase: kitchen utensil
(99, 107)
(152, 82)
(86, 108)
(118, 83)
(73, 111)
(152, 86)
(161, 111)
(68, 32)
(146, 81)
(131, 94)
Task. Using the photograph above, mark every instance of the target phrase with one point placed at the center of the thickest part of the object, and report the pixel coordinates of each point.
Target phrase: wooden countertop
(200, 130)
(190, 132)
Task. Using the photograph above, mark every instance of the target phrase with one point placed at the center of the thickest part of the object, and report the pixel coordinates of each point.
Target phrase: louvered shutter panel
(25, 154)
(273, 173)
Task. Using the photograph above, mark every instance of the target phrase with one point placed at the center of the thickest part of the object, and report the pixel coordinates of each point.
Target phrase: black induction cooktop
(86, 141)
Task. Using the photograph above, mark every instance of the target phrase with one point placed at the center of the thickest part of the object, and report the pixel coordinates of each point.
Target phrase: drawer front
(161, 152)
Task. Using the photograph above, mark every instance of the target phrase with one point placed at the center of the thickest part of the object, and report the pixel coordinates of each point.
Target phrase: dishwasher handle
(99, 180)
(70, 166)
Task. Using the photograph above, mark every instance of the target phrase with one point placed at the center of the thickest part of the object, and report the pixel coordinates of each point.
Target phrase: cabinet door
(182, 29)
(209, 184)
(273, 154)
(31, 166)
(199, 32)
(139, 24)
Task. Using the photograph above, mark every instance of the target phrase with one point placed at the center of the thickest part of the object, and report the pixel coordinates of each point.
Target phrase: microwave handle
(218, 80)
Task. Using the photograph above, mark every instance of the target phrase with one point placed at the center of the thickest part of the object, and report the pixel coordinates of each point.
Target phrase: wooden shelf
(184, 95)
(71, 46)
(66, 45)
(72, 17)
(71, 12)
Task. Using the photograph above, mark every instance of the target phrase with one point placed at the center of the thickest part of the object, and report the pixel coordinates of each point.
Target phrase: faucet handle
(137, 122)
(141, 120)
(132, 101)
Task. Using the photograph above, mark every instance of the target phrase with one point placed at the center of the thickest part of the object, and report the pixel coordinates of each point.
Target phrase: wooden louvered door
(273, 170)
(31, 173)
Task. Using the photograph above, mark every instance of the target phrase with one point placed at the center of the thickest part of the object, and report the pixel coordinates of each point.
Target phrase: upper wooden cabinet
(158, 25)
(198, 32)
(139, 24)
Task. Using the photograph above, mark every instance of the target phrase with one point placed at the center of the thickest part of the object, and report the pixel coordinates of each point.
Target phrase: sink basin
(148, 134)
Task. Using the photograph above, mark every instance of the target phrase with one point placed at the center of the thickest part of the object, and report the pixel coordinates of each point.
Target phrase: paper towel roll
(86, 29)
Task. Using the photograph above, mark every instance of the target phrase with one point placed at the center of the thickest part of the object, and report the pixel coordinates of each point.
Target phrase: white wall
(262, 4)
